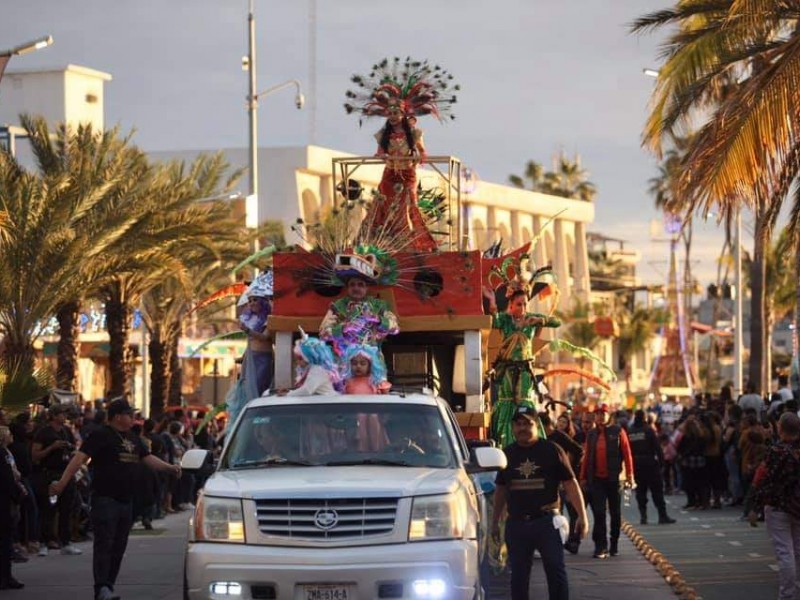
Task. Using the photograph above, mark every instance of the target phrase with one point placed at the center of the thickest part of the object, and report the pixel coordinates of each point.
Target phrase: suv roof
(423, 399)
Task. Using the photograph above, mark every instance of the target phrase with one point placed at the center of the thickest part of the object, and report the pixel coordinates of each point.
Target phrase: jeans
(63, 509)
(111, 523)
(605, 491)
(784, 530)
(522, 538)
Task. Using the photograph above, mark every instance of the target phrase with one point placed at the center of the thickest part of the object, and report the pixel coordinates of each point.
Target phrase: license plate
(325, 592)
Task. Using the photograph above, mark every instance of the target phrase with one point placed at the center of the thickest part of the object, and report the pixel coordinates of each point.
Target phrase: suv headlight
(219, 520)
(438, 517)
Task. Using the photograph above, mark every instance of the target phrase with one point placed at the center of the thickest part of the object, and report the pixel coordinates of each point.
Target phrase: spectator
(647, 465)
(11, 492)
(752, 400)
(715, 463)
(669, 453)
(53, 446)
(777, 491)
(21, 428)
(692, 453)
(733, 458)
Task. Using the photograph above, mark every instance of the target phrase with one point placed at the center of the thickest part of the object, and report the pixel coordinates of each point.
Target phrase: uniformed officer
(647, 463)
(528, 488)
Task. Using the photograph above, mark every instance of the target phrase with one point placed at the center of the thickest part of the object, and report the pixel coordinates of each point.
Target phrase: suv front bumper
(365, 571)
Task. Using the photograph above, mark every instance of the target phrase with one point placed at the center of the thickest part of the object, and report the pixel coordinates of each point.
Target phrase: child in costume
(317, 370)
(356, 319)
(258, 358)
(513, 367)
(367, 375)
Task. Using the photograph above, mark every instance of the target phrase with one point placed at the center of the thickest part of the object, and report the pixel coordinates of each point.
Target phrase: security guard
(647, 461)
(528, 488)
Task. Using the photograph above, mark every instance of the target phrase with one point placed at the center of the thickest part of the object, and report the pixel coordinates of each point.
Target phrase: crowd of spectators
(35, 448)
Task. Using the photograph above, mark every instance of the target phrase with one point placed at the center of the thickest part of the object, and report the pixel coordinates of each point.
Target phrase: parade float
(443, 317)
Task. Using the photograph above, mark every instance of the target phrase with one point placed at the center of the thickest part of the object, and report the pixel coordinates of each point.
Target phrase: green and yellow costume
(513, 370)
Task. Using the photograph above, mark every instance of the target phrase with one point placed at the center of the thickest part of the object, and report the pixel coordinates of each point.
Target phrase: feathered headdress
(416, 88)
(315, 352)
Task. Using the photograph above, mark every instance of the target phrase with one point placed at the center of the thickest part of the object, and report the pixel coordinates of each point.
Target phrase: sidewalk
(151, 570)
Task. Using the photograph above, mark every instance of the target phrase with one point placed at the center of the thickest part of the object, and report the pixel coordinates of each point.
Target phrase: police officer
(647, 462)
(528, 488)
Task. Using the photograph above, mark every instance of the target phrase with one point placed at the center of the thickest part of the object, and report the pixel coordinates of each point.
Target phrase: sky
(536, 76)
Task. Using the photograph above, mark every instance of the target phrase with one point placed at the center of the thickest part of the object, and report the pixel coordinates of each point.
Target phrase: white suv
(341, 498)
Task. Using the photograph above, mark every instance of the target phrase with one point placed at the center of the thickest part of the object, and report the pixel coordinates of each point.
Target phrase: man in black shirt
(648, 459)
(52, 449)
(115, 454)
(528, 487)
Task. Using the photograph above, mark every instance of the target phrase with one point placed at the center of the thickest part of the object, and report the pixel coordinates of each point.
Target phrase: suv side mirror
(194, 459)
(487, 459)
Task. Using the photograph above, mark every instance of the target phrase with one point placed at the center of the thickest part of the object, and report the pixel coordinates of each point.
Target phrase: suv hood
(332, 482)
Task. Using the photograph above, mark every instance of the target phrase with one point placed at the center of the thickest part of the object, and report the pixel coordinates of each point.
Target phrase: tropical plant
(568, 179)
(103, 172)
(20, 387)
(636, 330)
(732, 67)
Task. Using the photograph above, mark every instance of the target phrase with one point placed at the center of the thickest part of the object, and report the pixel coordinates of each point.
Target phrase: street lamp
(6, 55)
(249, 63)
(29, 46)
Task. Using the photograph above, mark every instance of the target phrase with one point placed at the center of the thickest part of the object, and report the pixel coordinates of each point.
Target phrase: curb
(670, 574)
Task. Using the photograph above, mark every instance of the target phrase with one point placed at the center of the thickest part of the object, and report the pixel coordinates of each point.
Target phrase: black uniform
(532, 477)
(574, 451)
(116, 458)
(10, 494)
(647, 463)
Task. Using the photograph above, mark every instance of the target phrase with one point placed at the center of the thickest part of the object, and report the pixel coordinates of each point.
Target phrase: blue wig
(316, 352)
(373, 355)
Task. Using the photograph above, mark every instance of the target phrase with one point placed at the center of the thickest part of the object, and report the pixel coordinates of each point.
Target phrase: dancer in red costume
(401, 91)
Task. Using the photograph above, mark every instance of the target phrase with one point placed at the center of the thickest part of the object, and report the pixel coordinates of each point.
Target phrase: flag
(3, 61)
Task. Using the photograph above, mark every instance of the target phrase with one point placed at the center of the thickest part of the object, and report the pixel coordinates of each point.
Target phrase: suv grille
(331, 519)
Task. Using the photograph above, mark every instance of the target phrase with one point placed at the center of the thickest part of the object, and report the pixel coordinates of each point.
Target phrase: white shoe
(105, 593)
(42, 550)
(71, 550)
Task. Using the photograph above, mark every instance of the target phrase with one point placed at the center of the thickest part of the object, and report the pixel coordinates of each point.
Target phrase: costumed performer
(357, 319)
(400, 92)
(258, 358)
(514, 364)
(317, 371)
(367, 375)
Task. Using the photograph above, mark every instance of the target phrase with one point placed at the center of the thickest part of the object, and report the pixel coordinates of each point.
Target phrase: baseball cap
(119, 406)
(601, 408)
(527, 412)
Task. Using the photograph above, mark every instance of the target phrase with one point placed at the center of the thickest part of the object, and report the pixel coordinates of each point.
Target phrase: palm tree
(733, 63)
(170, 224)
(568, 179)
(90, 160)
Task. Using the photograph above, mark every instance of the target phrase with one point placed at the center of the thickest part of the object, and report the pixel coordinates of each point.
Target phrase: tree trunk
(176, 372)
(768, 324)
(18, 355)
(757, 297)
(118, 323)
(795, 368)
(68, 316)
(159, 373)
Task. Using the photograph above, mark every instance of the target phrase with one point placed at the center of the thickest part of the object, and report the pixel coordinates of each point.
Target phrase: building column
(561, 262)
(539, 251)
(516, 231)
(491, 228)
(581, 276)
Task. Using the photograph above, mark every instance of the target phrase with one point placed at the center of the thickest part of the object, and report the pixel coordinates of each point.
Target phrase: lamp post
(249, 63)
(738, 334)
(5, 55)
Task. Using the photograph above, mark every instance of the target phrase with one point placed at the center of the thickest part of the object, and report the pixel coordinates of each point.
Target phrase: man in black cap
(115, 453)
(528, 488)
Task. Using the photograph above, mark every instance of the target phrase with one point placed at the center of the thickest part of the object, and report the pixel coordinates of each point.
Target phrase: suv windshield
(346, 433)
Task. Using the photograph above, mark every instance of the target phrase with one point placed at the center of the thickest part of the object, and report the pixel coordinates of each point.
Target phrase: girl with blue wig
(366, 375)
(365, 370)
(317, 372)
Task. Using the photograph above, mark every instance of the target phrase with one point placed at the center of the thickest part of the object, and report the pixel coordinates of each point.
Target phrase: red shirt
(601, 458)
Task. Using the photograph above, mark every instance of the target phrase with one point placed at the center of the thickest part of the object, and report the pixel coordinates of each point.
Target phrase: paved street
(152, 569)
(720, 556)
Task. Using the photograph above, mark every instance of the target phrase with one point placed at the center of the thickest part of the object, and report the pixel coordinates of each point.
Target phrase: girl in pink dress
(366, 375)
